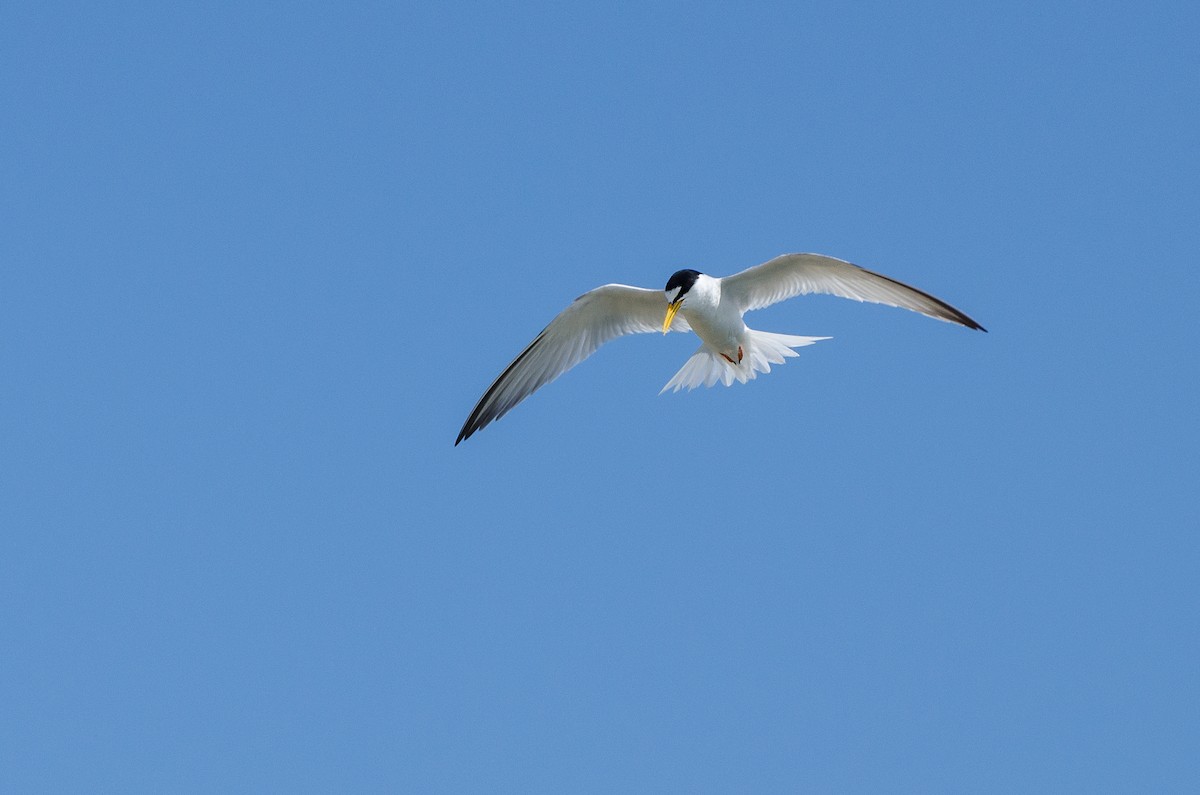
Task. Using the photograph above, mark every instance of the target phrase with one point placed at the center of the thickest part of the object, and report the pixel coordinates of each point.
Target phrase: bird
(711, 307)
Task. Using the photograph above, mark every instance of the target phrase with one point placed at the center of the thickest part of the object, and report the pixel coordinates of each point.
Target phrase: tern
(710, 306)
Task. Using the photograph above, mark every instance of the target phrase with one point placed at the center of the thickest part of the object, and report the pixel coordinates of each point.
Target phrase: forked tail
(762, 349)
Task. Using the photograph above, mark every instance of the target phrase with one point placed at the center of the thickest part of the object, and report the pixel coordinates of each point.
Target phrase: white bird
(710, 306)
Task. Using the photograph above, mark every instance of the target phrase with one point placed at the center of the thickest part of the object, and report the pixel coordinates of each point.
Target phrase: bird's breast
(721, 329)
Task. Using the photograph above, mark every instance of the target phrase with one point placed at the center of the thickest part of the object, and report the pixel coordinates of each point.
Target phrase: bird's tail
(762, 349)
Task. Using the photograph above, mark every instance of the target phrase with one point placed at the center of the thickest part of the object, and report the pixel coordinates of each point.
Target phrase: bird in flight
(710, 306)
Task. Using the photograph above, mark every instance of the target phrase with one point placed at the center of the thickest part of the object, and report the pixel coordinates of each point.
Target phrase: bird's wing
(591, 320)
(799, 274)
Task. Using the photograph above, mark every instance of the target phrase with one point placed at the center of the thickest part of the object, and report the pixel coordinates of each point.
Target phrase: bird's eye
(673, 293)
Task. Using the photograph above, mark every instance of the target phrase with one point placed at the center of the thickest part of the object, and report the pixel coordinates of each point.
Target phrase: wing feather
(591, 320)
(800, 274)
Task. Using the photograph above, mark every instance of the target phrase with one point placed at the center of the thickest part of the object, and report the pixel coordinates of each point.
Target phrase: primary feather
(800, 274)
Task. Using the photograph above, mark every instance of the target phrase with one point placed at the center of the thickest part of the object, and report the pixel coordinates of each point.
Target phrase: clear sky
(260, 260)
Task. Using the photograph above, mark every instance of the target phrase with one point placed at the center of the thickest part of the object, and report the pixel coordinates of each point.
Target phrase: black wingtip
(957, 316)
(971, 324)
(466, 430)
(963, 320)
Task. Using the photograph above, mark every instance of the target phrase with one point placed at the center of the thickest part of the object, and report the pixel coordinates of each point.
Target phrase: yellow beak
(671, 312)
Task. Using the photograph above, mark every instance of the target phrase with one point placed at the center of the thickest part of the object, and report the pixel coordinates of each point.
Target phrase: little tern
(712, 307)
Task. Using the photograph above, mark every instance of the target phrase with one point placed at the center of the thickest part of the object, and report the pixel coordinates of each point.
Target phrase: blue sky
(261, 260)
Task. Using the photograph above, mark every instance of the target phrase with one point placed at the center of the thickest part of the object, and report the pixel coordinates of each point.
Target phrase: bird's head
(677, 290)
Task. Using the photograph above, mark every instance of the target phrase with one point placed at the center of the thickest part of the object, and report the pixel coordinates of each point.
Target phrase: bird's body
(718, 323)
(711, 307)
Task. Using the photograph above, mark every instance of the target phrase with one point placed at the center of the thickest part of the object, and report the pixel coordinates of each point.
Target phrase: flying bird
(710, 306)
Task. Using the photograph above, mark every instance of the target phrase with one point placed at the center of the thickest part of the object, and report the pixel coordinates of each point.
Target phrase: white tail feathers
(762, 349)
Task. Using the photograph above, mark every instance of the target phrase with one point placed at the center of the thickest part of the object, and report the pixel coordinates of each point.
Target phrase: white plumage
(706, 368)
(712, 308)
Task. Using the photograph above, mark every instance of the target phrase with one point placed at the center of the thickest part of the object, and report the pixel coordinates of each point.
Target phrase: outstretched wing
(799, 274)
(591, 320)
